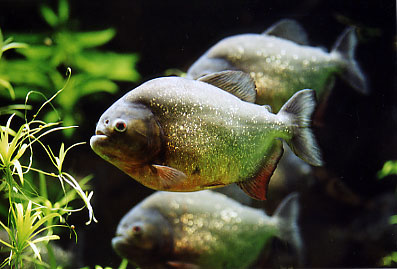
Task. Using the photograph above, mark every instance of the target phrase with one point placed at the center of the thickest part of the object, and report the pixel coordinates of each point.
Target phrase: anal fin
(182, 265)
(257, 187)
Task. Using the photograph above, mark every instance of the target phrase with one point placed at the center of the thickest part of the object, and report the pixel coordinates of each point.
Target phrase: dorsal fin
(257, 187)
(237, 83)
(288, 29)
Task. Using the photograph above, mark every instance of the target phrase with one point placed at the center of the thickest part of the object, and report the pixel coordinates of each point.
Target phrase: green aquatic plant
(4, 46)
(95, 70)
(389, 168)
(25, 232)
(32, 216)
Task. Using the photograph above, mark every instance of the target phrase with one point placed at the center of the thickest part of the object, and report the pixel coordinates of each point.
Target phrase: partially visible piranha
(203, 229)
(281, 62)
(179, 134)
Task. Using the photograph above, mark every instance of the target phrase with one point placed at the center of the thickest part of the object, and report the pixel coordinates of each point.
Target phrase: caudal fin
(286, 215)
(344, 48)
(299, 108)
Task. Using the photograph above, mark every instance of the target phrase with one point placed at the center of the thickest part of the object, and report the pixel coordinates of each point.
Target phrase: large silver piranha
(178, 134)
(281, 62)
(202, 230)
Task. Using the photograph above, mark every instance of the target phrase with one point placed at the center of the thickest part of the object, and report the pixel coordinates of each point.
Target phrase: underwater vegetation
(388, 169)
(347, 206)
(58, 48)
(35, 208)
(33, 217)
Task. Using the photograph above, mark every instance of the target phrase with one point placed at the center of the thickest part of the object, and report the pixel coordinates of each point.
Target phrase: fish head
(127, 134)
(143, 236)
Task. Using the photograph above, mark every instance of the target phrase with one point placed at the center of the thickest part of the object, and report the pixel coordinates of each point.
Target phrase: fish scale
(185, 123)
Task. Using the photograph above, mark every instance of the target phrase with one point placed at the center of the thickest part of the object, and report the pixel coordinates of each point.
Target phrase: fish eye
(137, 230)
(120, 126)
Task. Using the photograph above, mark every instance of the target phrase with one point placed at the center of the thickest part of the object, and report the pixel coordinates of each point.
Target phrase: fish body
(205, 229)
(281, 62)
(187, 135)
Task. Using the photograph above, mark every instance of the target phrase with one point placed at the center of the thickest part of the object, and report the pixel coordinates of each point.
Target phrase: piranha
(281, 62)
(202, 230)
(178, 134)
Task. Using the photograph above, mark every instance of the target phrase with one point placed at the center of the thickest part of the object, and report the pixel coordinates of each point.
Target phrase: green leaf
(5, 228)
(84, 84)
(69, 119)
(393, 219)
(123, 264)
(37, 52)
(94, 38)
(109, 65)
(63, 11)
(21, 151)
(1, 43)
(14, 45)
(46, 238)
(17, 165)
(389, 168)
(35, 250)
(49, 15)
(43, 220)
(7, 85)
(98, 85)
(5, 243)
(51, 116)
(26, 73)
(29, 38)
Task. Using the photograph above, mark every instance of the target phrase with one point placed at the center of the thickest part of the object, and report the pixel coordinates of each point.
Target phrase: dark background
(357, 136)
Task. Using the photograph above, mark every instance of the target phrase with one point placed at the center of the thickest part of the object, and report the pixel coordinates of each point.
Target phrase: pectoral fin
(238, 83)
(256, 187)
(168, 176)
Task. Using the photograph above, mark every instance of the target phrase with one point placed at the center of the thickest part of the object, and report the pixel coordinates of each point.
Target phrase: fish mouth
(97, 139)
(99, 135)
(119, 243)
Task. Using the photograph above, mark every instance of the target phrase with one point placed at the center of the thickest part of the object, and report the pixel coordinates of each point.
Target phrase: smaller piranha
(178, 134)
(203, 229)
(281, 62)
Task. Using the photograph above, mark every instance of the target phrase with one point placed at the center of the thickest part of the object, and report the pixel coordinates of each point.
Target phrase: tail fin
(300, 108)
(344, 48)
(286, 215)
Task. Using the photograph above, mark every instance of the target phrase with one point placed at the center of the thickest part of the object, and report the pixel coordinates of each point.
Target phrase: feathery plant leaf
(32, 218)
